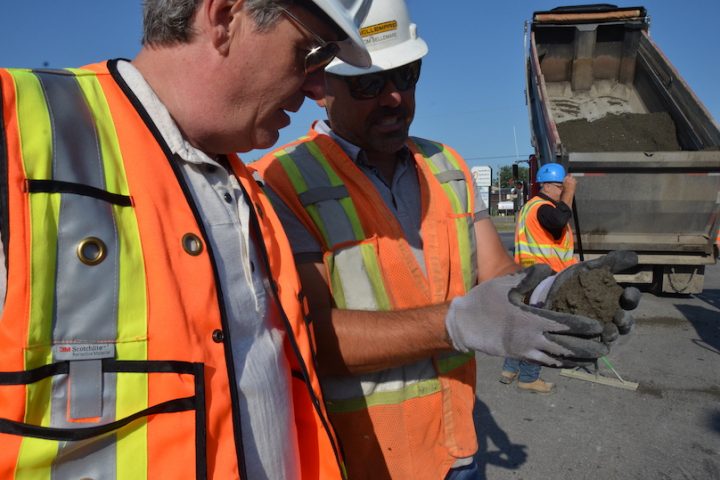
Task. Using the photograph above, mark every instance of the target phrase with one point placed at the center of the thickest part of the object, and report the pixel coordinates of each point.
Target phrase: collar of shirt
(356, 153)
(161, 117)
(542, 195)
(186, 154)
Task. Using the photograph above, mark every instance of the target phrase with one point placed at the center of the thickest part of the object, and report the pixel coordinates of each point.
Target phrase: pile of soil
(626, 132)
(591, 293)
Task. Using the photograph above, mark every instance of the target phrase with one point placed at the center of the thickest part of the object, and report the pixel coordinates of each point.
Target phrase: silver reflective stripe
(437, 157)
(320, 194)
(357, 286)
(86, 389)
(391, 380)
(85, 296)
(76, 151)
(330, 210)
(450, 175)
(88, 459)
(94, 458)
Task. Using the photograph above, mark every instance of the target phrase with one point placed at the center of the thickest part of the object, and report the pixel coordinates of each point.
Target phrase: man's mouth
(390, 122)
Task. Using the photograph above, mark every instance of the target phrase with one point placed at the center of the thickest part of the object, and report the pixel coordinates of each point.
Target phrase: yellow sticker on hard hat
(379, 28)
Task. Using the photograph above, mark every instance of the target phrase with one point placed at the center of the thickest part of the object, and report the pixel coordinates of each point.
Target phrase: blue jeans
(467, 472)
(529, 371)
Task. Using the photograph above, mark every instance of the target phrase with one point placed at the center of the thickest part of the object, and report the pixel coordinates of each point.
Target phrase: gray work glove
(494, 318)
(622, 318)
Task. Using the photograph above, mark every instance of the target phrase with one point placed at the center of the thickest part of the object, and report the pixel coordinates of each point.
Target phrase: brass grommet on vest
(218, 336)
(192, 244)
(91, 251)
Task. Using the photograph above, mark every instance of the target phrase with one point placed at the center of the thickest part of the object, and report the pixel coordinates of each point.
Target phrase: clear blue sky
(470, 96)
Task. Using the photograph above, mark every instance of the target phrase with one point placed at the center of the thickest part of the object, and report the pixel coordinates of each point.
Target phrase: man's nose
(390, 95)
(314, 85)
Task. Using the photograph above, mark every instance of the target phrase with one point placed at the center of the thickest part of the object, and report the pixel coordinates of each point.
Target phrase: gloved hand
(493, 318)
(622, 319)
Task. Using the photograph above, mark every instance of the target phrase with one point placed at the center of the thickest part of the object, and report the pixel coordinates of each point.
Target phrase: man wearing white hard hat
(403, 269)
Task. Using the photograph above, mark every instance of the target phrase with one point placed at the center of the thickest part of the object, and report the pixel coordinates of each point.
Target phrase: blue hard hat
(551, 173)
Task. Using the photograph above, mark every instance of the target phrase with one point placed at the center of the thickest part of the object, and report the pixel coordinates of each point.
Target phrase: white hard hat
(390, 37)
(348, 15)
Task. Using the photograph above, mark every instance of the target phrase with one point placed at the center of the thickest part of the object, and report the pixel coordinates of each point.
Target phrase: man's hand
(568, 191)
(617, 261)
(494, 318)
(569, 183)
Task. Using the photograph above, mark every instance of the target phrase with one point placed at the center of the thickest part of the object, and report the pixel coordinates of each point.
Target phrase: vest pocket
(144, 405)
(356, 278)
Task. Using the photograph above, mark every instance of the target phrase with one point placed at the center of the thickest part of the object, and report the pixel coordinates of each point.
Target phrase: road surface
(669, 428)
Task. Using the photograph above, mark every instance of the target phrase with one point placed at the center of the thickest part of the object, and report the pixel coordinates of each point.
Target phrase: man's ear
(221, 17)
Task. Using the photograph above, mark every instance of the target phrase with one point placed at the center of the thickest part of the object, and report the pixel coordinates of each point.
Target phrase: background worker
(384, 228)
(520, 197)
(542, 232)
(543, 235)
(138, 338)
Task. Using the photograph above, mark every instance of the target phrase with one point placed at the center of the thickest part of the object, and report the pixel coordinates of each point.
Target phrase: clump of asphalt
(591, 293)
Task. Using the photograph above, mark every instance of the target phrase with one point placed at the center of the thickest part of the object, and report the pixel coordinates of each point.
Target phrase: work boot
(538, 386)
(507, 377)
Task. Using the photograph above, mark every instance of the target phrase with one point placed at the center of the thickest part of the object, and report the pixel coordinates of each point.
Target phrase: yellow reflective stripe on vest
(335, 181)
(360, 259)
(410, 391)
(36, 141)
(35, 136)
(298, 182)
(392, 386)
(459, 206)
(37, 144)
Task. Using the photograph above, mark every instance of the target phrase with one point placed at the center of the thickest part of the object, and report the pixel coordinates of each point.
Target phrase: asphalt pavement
(669, 428)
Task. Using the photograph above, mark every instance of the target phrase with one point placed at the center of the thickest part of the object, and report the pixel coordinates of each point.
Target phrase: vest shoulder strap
(449, 170)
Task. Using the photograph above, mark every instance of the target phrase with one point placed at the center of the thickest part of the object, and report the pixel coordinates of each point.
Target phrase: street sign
(482, 175)
(506, 205)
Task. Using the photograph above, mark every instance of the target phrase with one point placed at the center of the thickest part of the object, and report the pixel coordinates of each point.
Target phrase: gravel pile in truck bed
(592, 293)
(626, 132)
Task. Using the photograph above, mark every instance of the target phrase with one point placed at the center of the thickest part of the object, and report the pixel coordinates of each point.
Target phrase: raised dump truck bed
(606, 103)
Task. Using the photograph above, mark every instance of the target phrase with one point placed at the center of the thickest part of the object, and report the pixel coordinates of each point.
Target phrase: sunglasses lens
(406, 76)
(366, 86)
(319, 57)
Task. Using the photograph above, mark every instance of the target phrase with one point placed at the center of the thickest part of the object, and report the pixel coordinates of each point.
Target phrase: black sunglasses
(370, 85)
(319, 56)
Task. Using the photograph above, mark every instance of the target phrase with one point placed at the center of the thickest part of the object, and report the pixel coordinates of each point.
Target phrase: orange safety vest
(534, 244)
(412, 421)
(115, 360)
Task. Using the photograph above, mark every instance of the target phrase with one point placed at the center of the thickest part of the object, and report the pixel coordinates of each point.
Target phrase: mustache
(383, 112)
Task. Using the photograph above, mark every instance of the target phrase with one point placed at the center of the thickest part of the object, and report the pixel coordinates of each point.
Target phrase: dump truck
(606, 103)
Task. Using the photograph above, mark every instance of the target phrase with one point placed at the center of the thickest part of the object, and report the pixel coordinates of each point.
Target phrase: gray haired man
(153, 325)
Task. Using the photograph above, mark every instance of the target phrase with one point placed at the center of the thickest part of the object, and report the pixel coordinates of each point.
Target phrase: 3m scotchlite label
(84, 351)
